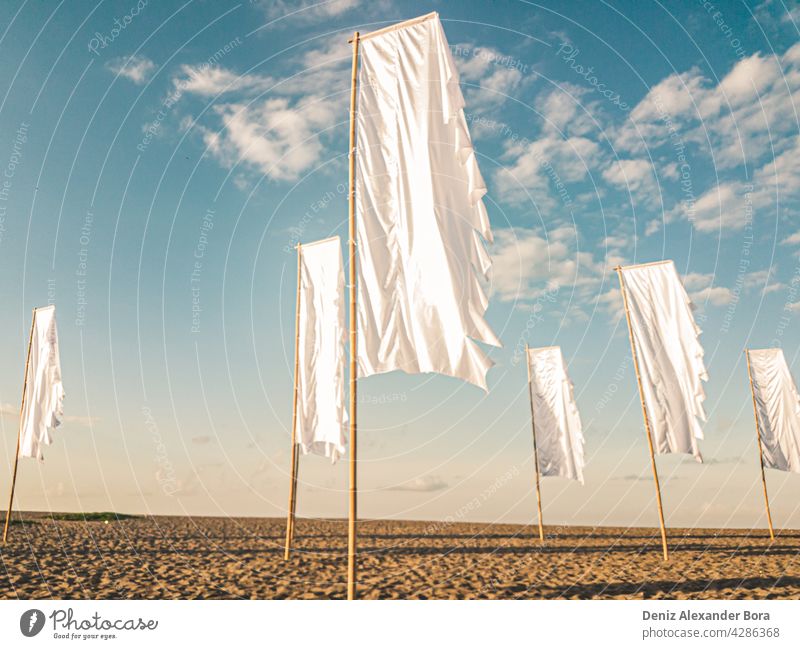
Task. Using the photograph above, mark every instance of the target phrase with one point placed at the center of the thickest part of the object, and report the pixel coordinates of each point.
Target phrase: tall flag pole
(776, 406)
(319, 413)
(535, 452)
(644, 414)
(351, 256)
(760, 447)
(42, 407)
(668, 360)
(555, 420)
(19, 430)
(418, 275)
(293, 477)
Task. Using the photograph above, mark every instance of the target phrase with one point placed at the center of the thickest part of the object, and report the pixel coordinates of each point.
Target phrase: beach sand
(182, 557)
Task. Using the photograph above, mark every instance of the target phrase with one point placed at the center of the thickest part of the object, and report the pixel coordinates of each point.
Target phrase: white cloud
(748, 79)
(779, 177)
(714, 295)
(611, 301)
(525, 264)
(792, 239)
(307, 10)
(669, 170)
(616, 242)
(566, 112)
(209, 81)
(719, 208)
(701, 289)
(760, 280)
(496, 75)
(674, 96)
(774, 287)
(541, 169)
(632, 175)
(728, 206)
(279, 137)
(684, 121)
(423, 484)
(135, 68)
(743, 117)
(276, 126)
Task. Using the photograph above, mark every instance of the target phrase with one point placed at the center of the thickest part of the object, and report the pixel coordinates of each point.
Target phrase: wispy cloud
(653, 157)
(279, 137)
(490, 76)
(134, 68)
(277, 126)
(702, 290)
(527, 264)
(748, 118)
(422, 484)
(207, 81)
(631, 175)
(541, 171)
(306, 10)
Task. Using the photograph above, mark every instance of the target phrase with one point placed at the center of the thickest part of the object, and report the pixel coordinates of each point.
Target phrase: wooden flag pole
(644, 414)
(295, 474)
(535, 452)
(293, 478)
(352, 510)
(760, 447)
(19, 430)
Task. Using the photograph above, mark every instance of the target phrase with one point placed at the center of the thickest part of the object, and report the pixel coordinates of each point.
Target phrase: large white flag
(557, 423)
(421, 222)
(670, 356)
(321, 414)
(43, 409)
(778, 407)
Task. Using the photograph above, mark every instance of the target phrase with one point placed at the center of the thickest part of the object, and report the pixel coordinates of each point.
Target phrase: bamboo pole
(294, 500)
(535, 452)
(760, 447)
(644, 414)
(352, 509)
(19, 430)
(293, 478)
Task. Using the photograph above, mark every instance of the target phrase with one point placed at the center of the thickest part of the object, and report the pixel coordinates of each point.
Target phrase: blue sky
(162, 167)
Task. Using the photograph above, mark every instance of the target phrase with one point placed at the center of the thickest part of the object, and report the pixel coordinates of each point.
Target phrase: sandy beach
(182, 557)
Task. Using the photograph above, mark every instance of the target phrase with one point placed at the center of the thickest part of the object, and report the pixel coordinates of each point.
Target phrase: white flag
(670, 356)
(557, 423)
(321, 414)
(421, 223)
(778, 407)
(43, 409)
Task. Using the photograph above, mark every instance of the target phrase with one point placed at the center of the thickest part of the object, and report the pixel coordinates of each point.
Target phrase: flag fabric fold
(421, 222)
(670, 356)
(43, 408)
(778, 408)
(321, 413)
(557, 423)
